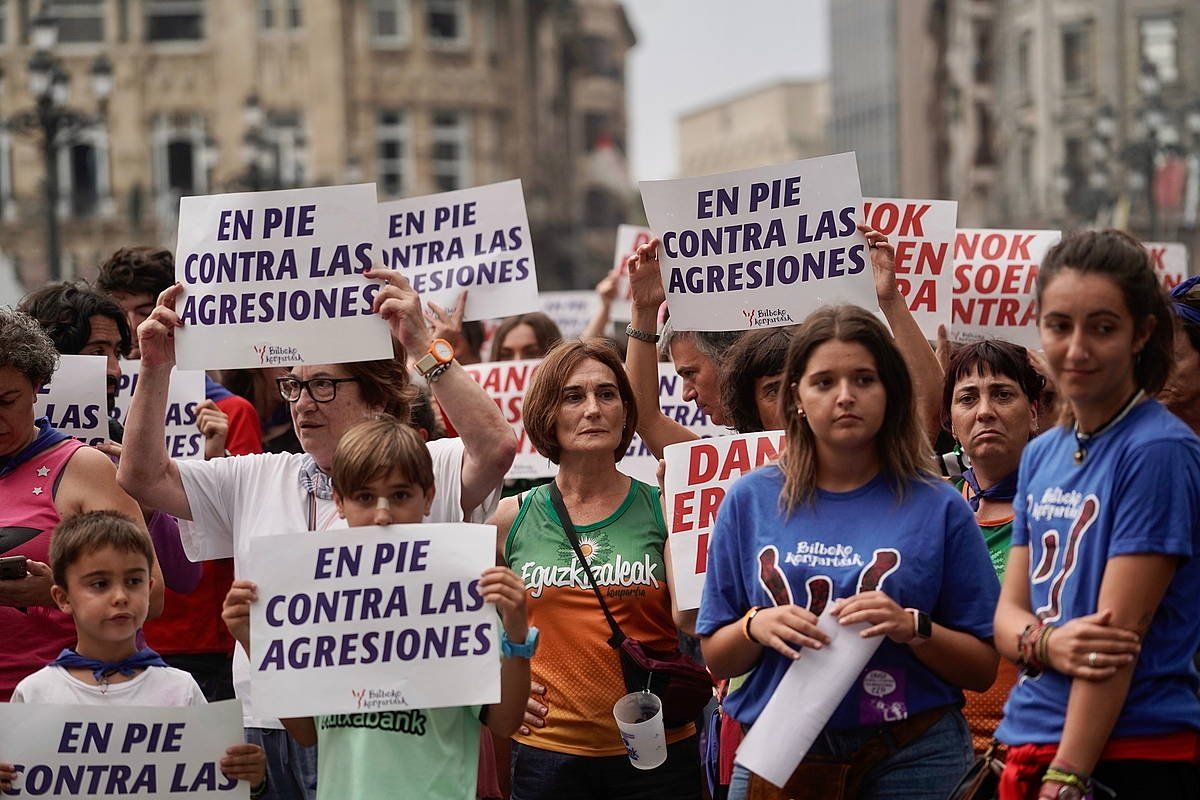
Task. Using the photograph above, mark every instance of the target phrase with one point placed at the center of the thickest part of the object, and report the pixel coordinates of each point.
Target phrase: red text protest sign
(995, 275)
(922, 232)
(697, 478)
(1170, 262)
(629, 239)
(505, 382)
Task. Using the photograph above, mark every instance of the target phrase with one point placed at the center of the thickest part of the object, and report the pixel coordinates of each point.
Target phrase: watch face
(442, 350)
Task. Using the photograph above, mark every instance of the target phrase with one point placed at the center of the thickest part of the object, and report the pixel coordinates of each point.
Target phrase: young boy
(382, 475)
(101, 562)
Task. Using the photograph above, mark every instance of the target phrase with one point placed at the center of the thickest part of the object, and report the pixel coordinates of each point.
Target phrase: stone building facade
(419, 96)
(782, 121)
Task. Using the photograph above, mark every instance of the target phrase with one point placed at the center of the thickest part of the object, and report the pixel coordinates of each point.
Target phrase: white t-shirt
(162, 687)
(236, 499)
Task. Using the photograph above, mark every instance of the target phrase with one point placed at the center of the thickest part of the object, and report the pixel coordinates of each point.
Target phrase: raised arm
(146, 471)
(489, 443)
(919, 357)
(641, 358)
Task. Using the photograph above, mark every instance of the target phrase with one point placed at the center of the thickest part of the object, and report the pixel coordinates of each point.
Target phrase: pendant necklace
(1081, 439)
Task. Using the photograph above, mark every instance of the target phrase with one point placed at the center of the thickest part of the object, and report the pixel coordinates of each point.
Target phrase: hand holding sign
(448, 325)
(501, 586)
(883, 264)
(156, 336)
(782, 628)
(645, 276)
(400, 308)
(236, 611)
(245, 762)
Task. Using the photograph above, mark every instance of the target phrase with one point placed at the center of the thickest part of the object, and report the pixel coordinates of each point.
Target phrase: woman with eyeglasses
(229, 501)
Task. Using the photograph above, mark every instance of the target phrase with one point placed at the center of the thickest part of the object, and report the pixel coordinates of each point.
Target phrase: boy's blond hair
(375, 448)
(83, 534)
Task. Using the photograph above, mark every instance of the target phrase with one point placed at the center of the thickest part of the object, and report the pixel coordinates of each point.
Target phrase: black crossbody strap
(564, 517)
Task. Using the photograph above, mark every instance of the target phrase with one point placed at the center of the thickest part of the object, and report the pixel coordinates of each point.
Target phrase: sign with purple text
(114, 750)
(373, 619)
(274, 279)
(698, 476)
(75, 399)
(571, 311)
(995, 274)
(761, 247)
(183, 438)
(922, 233)
(475, 239)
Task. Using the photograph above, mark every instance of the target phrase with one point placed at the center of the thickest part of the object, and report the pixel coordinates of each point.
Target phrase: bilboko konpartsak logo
(765, 317)
(271, 354)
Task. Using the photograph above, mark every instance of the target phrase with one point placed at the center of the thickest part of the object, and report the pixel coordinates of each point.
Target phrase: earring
(803, 415)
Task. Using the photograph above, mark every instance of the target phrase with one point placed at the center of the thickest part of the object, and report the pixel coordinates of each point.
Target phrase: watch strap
(526, 649)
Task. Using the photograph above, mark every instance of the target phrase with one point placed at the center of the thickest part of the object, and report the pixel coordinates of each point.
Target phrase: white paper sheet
(804, 701)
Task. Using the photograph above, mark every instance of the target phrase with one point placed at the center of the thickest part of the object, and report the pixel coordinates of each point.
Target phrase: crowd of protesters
(1022, 529)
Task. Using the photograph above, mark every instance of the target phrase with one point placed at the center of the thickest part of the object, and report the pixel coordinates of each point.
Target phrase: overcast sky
(692, 52)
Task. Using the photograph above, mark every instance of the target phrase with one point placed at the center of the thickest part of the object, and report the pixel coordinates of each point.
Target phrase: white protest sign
(273, 279)
(639, 462)
(922, 233)
(697, 478)
(505, 383)
(373, 619)
(995, 274)
(571, 311)
(629, 239)
(761, 247)
(76, 398)
(1170, 262)
(115, 750)
(183, 438)
(805, 699)
(475, 239)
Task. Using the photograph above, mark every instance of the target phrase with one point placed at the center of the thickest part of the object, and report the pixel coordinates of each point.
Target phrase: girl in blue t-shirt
(1098, 606)
(853, 521)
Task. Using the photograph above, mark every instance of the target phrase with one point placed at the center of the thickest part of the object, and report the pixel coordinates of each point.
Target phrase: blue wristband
(526, 649)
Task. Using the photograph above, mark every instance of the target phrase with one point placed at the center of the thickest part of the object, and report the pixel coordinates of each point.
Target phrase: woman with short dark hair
(580, 413)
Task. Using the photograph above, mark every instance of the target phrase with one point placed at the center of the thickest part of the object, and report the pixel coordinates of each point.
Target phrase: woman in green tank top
(580, 412)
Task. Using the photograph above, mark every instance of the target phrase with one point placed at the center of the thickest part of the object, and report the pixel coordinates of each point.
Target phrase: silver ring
(1091, 659)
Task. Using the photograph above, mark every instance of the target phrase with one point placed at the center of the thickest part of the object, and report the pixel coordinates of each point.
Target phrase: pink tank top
(31, 638)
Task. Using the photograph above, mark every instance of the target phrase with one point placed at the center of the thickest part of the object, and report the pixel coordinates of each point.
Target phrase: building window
(294, 11)
(1077, 56)
(266, 14)
(451, 151)
(174, 20)
(392, 152)
(390, 21)
(598, 58)
(83, 173)
(596, 130)
(79, 21)
(1160, 46)
(985, 156)
(287, 149)
(3, 22)
(446, 21)
(982, 69)
(1024, 53)
(180, 166)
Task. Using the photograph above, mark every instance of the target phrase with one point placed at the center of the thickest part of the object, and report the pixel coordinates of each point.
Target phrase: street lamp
(52, 121)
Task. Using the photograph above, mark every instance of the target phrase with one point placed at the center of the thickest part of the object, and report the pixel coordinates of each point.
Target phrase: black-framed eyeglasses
(321, 390)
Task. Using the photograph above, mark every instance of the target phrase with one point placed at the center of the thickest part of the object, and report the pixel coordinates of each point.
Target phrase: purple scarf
(1002, 492)
(46, 438)
(1182, 310)
(69, 659)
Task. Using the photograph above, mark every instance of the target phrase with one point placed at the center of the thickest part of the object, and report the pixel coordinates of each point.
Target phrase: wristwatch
(922, 625)
(436, 360)
(526, 649)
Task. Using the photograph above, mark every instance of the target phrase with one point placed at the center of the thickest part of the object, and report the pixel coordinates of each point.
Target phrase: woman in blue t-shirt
(1098, 606)
(853, 520)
